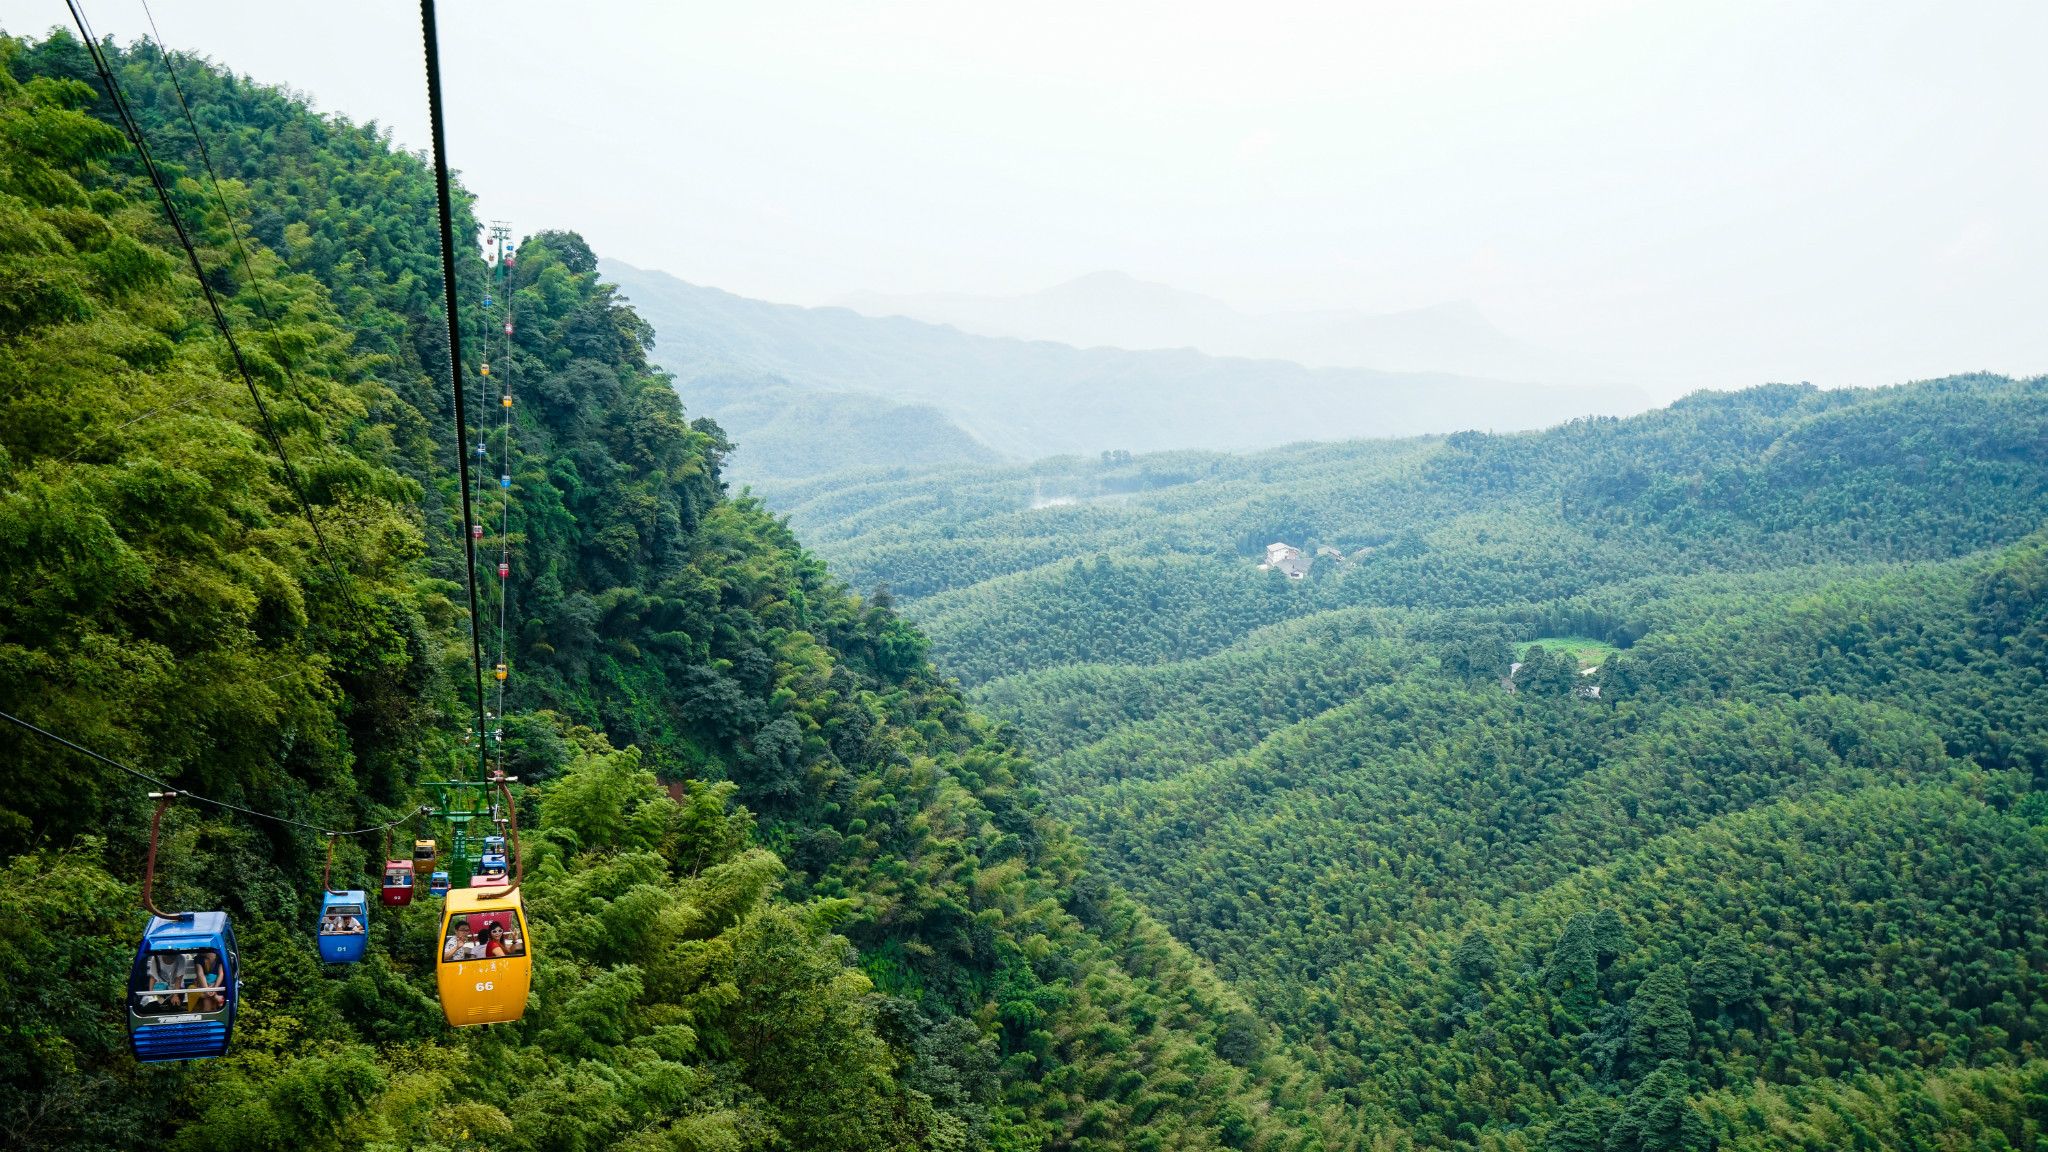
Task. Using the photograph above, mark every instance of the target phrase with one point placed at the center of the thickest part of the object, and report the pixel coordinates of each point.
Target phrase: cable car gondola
(437, 884)
(423, 853)
(485, 970)
(344, 926)
(490, 869)
(185, 982)
(183, 988)
(398, 878)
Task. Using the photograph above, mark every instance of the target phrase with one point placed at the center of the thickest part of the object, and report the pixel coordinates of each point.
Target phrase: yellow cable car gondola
(485, 968)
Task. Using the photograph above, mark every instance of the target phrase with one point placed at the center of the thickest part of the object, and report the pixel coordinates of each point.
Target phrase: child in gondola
(212, 980)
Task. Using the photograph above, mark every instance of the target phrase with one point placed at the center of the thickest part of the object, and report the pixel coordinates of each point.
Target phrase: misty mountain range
(1113, 309)
(805, 391)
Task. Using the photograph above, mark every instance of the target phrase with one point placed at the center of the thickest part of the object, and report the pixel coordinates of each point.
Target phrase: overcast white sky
(1697, 193)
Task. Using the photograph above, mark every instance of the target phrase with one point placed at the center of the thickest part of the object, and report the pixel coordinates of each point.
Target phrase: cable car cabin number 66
(486, 964)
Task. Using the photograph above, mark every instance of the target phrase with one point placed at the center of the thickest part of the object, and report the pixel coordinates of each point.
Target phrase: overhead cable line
(175, 791)
(163, 54)
(163, 195)
(501, 245)
(433, 51)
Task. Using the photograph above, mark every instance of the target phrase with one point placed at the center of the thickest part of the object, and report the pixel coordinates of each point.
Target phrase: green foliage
(1476, 958)
(609, 801)
(1582, 1125)
(1659, 1021)
(1659, 1116)
(1713, 868)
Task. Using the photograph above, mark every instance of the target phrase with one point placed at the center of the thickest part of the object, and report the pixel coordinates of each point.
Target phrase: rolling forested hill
(1658, 783)
(787, 889)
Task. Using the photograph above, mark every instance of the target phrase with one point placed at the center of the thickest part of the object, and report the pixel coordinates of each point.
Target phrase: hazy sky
(1696, 193)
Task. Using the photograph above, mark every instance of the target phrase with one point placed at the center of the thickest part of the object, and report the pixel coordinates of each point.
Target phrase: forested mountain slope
(1030, 398)
(1644, 784)
(783, 431)
(847, 923)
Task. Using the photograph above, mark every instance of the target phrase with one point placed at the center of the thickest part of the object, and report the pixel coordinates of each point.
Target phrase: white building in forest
(1287, 558)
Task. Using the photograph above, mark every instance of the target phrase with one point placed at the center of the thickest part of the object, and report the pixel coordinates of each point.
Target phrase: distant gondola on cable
(398, 880)
(423, 854)
(344, 926)
(437, 884)
(490, 872)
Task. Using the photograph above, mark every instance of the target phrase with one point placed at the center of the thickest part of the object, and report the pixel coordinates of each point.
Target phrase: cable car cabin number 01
(485, 967)
(344, 926)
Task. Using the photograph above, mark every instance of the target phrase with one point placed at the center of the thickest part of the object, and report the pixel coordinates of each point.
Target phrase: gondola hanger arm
(328, 871)
(163, 801)
(518, 862)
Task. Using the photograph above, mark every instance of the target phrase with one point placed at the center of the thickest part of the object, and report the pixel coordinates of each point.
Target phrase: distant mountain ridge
(1032, 399)
(1114, 309)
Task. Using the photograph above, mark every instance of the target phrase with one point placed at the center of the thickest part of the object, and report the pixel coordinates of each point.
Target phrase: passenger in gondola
(493, 940)
(461, 943)
(166, 972)
(212, 980)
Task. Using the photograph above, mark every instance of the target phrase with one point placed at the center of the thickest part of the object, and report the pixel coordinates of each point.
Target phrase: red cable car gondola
(398, 878)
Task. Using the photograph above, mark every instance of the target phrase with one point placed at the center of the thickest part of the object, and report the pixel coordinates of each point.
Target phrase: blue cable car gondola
(185, 982)
(437, 884)
(183, 988)
(344, 926)
(490, 872)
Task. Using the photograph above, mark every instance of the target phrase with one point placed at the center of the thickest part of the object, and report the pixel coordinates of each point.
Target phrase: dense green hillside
(1848, 831)
(1780, 882)
(847, 922)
